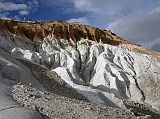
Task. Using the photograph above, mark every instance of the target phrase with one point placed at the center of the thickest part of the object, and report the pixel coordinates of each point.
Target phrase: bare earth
(58, 107)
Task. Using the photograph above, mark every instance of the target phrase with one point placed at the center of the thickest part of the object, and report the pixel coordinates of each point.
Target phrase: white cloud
(145, 30)
(138, 20)
(84, 5)
(79, 20)
(8, 6)
(33, 5)
(23, 8)
(112, 7)
(156, 10)
(24, 12)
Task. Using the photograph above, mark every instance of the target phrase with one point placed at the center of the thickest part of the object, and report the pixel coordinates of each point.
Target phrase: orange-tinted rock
(61, 30)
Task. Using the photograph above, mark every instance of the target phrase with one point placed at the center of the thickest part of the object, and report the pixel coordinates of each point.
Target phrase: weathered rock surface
(109, 71)
(52, 82)
(85, 61)
(11, 72)
(74, 32)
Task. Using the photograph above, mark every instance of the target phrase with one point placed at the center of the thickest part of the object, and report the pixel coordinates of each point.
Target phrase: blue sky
(138, 20)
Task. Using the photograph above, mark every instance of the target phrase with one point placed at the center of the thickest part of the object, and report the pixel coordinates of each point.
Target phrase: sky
(136, 20)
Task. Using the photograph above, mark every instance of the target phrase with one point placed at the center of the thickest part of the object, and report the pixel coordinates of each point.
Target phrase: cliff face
(92, 63)
(62, 30)
(35, 32)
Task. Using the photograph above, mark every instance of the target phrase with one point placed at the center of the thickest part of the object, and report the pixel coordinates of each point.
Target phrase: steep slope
(11, 72)
(97, 64)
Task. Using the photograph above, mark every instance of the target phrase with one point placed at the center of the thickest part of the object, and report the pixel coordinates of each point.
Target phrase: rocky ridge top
(35, 32)
(62, 30)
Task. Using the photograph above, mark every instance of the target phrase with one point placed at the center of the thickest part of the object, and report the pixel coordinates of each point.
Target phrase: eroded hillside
(77, 62)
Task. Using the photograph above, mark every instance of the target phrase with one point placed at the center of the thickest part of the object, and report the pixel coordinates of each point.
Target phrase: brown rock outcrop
(61, 30)
(37, 31)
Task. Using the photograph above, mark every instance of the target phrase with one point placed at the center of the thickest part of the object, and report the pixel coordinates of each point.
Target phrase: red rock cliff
(61, 30)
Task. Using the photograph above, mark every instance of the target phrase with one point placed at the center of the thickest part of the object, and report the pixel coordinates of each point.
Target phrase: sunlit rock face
(99, 65)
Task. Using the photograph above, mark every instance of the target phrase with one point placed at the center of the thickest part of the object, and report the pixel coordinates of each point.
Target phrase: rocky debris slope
(51, 81)
(57, 107)
(142, 109)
